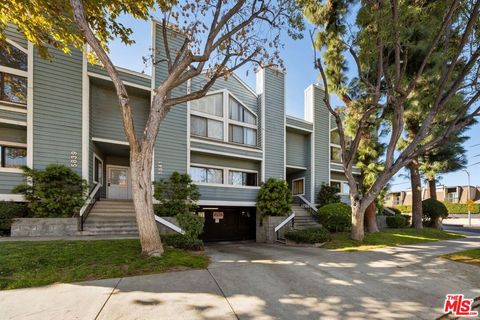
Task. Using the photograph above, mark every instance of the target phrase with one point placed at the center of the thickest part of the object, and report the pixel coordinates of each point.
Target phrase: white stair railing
(169, 225)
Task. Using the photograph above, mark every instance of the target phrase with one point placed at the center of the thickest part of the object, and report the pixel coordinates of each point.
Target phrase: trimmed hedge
(461, 208)
(336, 217)
(181, 241)
(453, 208)
(310, 235)
(404, 208)
(398, 221)
(408, 218)
(10, 211)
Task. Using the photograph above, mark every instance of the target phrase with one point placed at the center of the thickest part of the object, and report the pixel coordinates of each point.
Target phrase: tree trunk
(358, 232)
(437, 223)
(371, 218)
(416, 184)
(141, 164)
(432, 186)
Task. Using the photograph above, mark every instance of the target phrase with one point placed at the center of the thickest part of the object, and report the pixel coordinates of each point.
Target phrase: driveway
(258, 281)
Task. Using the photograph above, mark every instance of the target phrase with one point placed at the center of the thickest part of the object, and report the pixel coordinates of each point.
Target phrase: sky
(300, 73)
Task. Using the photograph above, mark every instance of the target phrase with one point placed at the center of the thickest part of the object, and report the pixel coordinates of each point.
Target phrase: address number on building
(73, 159)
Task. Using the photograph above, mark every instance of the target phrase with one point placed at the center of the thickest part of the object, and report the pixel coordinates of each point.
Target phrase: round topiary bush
(310, 235)
(336, 217)
(398, 221)
(433, 212)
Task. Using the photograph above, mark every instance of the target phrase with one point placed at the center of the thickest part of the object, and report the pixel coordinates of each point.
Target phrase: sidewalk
(259, 281)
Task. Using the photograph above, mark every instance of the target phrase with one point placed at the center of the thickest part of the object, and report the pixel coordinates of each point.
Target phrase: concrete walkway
(254, 281)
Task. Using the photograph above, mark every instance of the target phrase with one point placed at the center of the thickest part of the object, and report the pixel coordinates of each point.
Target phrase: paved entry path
(257, 281)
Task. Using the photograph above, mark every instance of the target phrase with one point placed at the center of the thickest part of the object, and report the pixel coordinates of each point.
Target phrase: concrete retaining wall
(382, 222)
(44, 227)
(164, 230)
(265, 229)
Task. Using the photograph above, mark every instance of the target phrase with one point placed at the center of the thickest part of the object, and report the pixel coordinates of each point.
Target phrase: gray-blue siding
(125, 76)
(227, 193)
(322, 144)
(290, 121)
(274, 91)
(57, 109)
(171, 146)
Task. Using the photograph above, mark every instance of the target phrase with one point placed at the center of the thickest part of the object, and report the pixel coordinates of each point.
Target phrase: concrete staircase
(303, 219)
(111, 217)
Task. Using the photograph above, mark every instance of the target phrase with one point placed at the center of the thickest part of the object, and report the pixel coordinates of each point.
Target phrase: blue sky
(298, 59)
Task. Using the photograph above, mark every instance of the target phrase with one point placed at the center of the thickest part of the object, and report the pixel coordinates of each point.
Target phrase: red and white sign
(459, 306)
(217, 215)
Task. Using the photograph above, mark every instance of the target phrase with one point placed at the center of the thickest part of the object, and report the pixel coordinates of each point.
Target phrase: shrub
(408, 219)
(461, 208)
(274, 198)
(327, 195)
(398, 221)
(191, 224)
(404, 208)
(10, 211)
(433, 212)
(176, 195)
(56, 191)
(181, 241)
(310, 235)
(335, 217)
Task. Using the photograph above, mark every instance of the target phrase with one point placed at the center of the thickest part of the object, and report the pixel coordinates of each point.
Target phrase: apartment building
(65, 111)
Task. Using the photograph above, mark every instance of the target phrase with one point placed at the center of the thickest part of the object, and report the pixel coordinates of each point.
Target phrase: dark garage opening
(228, 223)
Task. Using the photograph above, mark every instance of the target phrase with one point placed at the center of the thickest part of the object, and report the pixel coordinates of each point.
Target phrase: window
(334, 137)
(337, 185)
(208, 119)
(12, 57)
(97, 170)
(243, 135)
(341, 186)
(12, 157)
(452, 197)
(13, 75)
(206, 175)
(240, 113)
(211, 104)
(335, 154)
(204, 127)
(298, 186)
(239, 178)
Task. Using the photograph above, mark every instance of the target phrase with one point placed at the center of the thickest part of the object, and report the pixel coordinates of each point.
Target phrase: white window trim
(226, 175)
(13, 71)
(298, 179)
(11, 170)
(13, 107)
(95, 156)
(17, 45)
(13, 144)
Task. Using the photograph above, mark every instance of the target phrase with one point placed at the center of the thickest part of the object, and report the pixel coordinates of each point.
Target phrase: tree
(451, 34)
(274, 198)
(176, 195)
(220, 36)
(450, 157)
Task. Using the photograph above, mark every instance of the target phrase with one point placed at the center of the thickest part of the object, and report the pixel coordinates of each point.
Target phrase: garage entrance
(228, 223)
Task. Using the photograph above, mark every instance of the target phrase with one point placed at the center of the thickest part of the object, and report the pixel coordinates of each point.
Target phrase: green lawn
(468, 256)
(29, 264)
(388, 237)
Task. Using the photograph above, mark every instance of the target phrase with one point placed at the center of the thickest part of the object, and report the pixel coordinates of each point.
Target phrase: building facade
(452, 194)
(65, 111)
